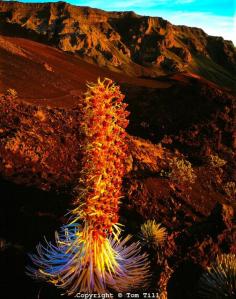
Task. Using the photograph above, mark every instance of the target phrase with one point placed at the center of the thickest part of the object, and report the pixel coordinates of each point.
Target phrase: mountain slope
(47, 76)
(122, 41)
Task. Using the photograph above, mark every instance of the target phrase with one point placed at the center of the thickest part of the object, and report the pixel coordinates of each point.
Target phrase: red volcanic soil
(44, 75)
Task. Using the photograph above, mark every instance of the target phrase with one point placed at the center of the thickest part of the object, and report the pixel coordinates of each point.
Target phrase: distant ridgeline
(123, 41)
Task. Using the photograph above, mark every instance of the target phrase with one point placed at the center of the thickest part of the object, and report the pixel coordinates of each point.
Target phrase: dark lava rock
(195, 248)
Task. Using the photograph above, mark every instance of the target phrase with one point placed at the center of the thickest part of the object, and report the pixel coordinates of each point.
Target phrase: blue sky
(216, 17)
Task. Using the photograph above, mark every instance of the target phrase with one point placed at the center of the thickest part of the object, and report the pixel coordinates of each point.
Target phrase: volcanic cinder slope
(45, 75)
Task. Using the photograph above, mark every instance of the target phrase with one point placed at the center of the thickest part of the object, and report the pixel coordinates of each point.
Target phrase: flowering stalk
(89, 255)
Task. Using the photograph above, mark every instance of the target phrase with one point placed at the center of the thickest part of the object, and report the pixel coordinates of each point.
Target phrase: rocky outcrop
(192, 250)
(120, 40)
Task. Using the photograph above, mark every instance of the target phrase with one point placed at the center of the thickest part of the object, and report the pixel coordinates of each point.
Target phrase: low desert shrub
(230, 189)
(215, 161)
(11, 92)
(181, 171)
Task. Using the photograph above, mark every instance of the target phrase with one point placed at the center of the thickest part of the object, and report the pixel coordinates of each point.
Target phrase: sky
(215, 17)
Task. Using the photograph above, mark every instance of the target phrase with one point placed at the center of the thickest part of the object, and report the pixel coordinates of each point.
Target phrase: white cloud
(120, 5)
(129, 4)
(213, 25)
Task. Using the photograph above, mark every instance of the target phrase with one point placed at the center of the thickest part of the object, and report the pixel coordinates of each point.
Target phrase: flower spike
(89, 254)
